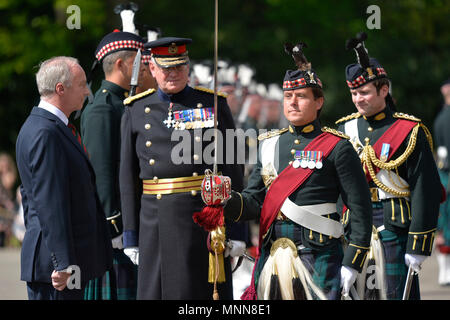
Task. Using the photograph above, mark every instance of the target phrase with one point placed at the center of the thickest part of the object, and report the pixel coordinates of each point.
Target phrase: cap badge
(311, 77)
(173, 48)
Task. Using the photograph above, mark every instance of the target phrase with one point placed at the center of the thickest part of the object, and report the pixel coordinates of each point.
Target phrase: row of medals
(308, 159)
(196, 119)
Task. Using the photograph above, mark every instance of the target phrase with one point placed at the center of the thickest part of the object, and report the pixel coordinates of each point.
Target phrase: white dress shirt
(53, 110)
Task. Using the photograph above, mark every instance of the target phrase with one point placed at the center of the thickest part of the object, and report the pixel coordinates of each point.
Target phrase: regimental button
(193, 193)
(148, 144)
(155, 178)
(158, 196)
(147, 126)
(147, 110)
(151, 162)
(292, 151)
(199, 105)
(370, 129)
(194, 174)
(196, 157)
(296, 141)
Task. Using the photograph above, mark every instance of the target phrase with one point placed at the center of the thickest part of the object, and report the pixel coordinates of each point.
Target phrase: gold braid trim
(428, 135)
(370, 159)
(355, 115)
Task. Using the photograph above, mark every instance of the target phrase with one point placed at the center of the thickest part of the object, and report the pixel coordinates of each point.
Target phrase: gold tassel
(216, 270)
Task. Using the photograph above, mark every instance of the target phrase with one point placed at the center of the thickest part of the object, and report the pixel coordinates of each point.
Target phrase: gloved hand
(415, 261)
(215, 189)
(133, 254)
(234, 248)
(117, 242)
(348, 278)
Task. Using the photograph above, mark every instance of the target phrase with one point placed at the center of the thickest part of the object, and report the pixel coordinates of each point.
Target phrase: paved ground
(11, 288)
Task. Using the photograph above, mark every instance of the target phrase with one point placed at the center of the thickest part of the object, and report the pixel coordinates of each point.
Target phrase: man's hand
(348, 277)
(415, 261)
(117, 242)
(59, 279)
(133, 254)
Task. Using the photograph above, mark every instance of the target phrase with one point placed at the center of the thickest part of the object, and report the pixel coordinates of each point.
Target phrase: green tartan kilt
(119, 283)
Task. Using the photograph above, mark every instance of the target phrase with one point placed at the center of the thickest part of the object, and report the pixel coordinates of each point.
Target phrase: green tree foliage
(412, 44)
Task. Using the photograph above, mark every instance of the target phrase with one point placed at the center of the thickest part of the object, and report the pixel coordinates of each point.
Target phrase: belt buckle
(374, 194)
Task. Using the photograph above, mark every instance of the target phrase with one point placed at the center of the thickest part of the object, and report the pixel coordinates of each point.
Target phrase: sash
(395, 136)
(289, 180)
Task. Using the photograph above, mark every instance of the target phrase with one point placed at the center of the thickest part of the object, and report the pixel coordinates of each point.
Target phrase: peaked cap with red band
(118, 41)
(169, 51)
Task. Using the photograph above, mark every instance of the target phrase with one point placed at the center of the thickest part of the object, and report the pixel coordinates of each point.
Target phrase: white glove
(415, 261)
(117, 242)
(348, 278)
(235, 248)
(133, 254)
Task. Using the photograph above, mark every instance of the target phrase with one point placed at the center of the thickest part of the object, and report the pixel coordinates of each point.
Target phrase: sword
(216, 28)
(408, 283)
(135, 73)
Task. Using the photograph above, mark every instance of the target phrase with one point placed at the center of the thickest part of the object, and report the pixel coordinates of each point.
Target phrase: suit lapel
(66, 131)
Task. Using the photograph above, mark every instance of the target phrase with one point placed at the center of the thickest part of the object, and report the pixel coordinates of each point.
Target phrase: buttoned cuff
(355, 256)
(420, 242)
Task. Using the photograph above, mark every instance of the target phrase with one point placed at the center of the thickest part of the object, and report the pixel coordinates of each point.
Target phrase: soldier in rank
(100, 130)
(442, 142)
(160, 191)
(292, 191)
(396, 155)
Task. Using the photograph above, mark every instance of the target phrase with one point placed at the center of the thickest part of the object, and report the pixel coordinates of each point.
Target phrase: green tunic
(341, 175)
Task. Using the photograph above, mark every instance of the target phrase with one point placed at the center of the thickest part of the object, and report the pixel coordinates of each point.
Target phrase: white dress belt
(310, 217)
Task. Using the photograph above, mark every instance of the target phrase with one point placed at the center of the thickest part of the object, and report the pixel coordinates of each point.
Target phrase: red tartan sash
(289, 180)
(395, 136)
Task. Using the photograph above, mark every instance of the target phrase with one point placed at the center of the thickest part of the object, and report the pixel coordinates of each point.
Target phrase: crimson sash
(395, 136)
(289, 180)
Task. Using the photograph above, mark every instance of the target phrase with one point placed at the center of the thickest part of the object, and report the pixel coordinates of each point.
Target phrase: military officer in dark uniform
(164, 147)
(100, 129)
(396, 153)
(307, 168)
(442, 142)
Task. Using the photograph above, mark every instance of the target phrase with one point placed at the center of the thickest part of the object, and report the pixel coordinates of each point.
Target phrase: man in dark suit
(65, 224)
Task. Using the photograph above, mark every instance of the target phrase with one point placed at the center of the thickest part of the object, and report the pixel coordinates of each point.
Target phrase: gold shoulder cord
(370, 159)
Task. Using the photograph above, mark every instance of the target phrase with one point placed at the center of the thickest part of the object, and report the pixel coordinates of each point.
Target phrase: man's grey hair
(53, 71)
(110, 59)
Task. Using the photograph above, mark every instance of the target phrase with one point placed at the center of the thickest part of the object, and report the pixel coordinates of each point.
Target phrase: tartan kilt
(444, 210)
(118, 283)
(394, 249)
(323, 265)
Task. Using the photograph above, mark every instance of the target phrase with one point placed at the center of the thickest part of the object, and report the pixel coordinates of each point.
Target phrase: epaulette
(221, 94)
(400, 115)
(271, 133)
(355, 115)
(335, 132)
(138, 96)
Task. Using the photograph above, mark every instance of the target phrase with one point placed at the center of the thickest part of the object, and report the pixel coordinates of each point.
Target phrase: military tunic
(340, 175)
(173, 255)
(405, 224)
(100, 130)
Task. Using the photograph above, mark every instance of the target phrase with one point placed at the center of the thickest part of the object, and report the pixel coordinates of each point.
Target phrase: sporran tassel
(275, 290)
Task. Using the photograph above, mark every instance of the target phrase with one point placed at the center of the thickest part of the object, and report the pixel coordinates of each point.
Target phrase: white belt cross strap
(311, 217)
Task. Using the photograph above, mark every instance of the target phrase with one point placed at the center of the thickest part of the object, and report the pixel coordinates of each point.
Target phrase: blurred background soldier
(306, 167)
(100, 129)
(160, 191)
(396, 151)
(442, 142)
